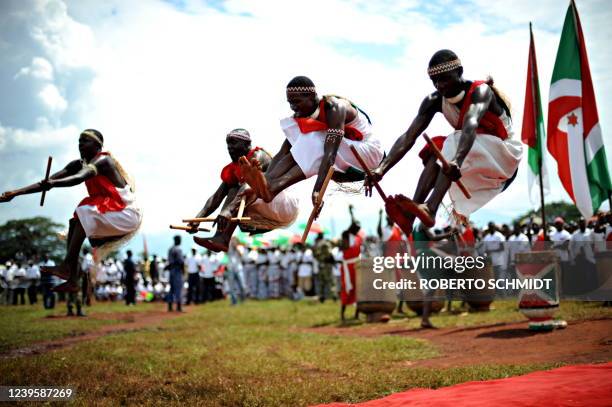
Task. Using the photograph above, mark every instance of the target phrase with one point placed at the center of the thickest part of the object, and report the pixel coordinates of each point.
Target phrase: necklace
(458, 98)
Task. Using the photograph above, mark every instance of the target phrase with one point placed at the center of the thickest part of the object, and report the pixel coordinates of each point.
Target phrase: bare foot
(255, 178)
(419, 210)
(62, 271)
(395, 212)
(67, 287)
(216, 243)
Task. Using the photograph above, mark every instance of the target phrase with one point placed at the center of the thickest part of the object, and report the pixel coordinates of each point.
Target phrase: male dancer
(279, 212)
(481, 151)
(108, 216)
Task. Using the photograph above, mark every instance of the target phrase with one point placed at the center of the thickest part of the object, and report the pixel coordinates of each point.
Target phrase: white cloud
(40, 69)
(52, 98)
(67, 42)
(44, 135)
(3, 137)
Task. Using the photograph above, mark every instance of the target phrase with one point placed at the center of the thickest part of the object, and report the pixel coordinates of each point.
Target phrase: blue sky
(165, 80)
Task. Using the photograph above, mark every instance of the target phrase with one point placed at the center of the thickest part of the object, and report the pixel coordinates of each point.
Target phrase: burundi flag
(533, 127)
(574, 135)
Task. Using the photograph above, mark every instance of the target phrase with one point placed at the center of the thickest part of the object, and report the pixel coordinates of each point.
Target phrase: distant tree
(567, 211)
(24, 238)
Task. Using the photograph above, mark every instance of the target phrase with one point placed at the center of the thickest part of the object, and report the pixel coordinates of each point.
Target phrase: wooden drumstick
(211, 219)
(368, 173)
(317, 208)
(445, 165)
(188, 228)
(241, 208)
(42, 196)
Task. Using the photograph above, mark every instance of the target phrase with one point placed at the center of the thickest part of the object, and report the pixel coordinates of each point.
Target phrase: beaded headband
(93, 136)
(301, 89)
(444, 67)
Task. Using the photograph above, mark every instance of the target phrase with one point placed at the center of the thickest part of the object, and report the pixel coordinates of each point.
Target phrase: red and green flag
(533, 133)
(574, 134)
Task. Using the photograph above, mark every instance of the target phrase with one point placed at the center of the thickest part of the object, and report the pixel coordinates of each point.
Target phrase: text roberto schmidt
(458, 264)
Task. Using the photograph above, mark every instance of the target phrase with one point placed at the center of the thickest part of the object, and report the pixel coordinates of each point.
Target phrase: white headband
(93, 136)
(242, 135)
(301, 89)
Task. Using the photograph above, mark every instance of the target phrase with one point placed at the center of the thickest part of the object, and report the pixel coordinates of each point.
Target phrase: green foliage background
(25, 238)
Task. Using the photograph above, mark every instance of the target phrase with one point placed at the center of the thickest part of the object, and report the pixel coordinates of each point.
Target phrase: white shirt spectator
(210, 265)
(336, 270)
(286, 259)
(599, 242)
(492, 243)
(112, 272)
(274, 257)
(3, 275)
(102, 276)
(87, 263)
(517, 244)
(9, 274)
(234, 261)
(33, 272)
(307, 265)
(582, 242)
(558, 238)
(249, 256)
(194, 262)
(20, 278)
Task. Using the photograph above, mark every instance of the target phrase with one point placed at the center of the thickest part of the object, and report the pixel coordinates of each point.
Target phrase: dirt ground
(587, 341)
(131, 321)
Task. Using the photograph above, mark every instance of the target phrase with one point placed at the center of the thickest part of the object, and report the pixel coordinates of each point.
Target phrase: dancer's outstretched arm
(72, 168)
(86, 172)
(73, 174)
(214, 201)
(429, 107)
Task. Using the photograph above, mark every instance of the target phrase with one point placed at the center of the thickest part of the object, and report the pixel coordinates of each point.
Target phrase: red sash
(103, 194)
(308, 124)
(489, 124)
(230, 174)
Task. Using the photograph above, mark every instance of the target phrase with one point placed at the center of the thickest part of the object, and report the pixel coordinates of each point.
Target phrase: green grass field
(255, 354)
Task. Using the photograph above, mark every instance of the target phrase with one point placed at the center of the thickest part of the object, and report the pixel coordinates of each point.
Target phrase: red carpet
(580, 385)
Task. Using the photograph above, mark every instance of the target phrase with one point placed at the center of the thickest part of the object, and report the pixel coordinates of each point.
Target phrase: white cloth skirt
(115, 223)
(488, 165)
(281, 212)
(307, 150)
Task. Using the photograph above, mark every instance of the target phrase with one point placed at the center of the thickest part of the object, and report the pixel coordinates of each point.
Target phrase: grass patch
(256, 354)
(24, 325)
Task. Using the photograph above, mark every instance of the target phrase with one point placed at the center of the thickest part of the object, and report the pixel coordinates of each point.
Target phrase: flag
(533, 127)
(574, 134)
